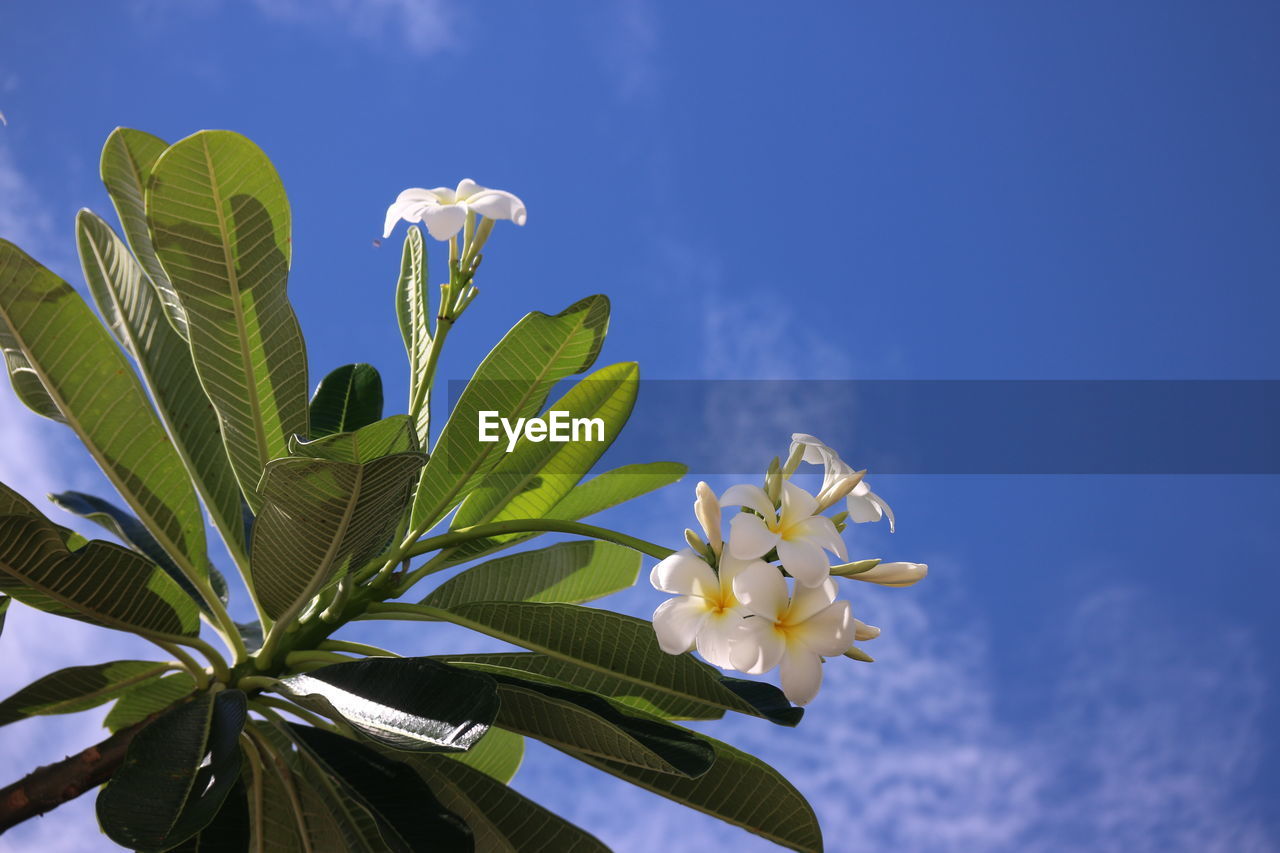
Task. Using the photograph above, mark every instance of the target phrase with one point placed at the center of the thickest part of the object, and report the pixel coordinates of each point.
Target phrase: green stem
(265, 704)
(523, 525)
(354, 648)
(293, 659)
(220, 669)
(191, 664)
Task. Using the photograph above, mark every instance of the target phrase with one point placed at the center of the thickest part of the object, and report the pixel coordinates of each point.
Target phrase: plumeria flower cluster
(767, 596)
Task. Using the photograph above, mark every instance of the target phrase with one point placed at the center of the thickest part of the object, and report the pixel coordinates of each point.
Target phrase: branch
(48, 787)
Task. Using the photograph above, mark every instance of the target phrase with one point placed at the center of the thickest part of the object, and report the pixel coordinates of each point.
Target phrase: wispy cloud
(424, 26)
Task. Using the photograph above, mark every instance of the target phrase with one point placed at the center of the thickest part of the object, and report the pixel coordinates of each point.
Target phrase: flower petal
(498, 204)
(828, 632)
(801, 675)
(821, 531)
(808, 600)
(716, 637)
(444, 220)
(797, 504)
(408, 205)
(684, 573)
(466, 189)
(861, 506)
(884, 507)
(806, 562)
(758, 647)
(677, 622)
(749, 538)
(749, 496)
(762, 590)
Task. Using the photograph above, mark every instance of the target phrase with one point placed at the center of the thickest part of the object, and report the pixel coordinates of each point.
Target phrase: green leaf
(553, 670)
(133, 533)
(403, 703)
(228, 832)
(322, 790)
(502, 820)
(607, 642)
(739, 789)
(134, 313)
(127, 160)
(102, 583)
(513, 380)
(147, 698)
(597, 494)
(4, 609)
(387, 436)
(219, 220)
(413, 310)
(92, 384)
(77, 688)
(320, 518)
(347, 399)
(397, 796)
(578, 722)
(24, 378)
(532, 479)
(278, 814)
(499, 753)
(161, 795)
(570, 572)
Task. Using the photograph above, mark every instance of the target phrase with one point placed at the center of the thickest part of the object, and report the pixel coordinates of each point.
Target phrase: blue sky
(838, 191)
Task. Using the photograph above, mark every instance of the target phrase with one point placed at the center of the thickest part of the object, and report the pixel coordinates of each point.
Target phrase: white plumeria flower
(444, 211)
(893, 574)
(705, 614)
(801, 537)
(796, 632)
(863, 504)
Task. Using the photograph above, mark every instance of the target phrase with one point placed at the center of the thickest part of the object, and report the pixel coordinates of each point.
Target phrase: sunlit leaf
(579, 722)
(133, 311)
(403, 703)
(499, 753)
(535, 475)
(220, 223)
(320, 517)
(99, 396)
(570, 572)
(383, 438)
(132, 532)
(77, 688)
(148, 698)
(101, 583)
(127, 160)
(413, 312)
(513, 380)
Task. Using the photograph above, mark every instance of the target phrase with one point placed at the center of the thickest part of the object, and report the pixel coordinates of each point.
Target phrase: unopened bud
(893, 574)
(858, 654)
(793, 460)
(845, 570)
(773, 481)
(840, 520)
(707, 510)
(695, 541)
(863, 632)
(840, 489)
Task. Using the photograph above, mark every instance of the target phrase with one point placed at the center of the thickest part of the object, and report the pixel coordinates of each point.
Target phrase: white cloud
(23, 220)
(425, 26)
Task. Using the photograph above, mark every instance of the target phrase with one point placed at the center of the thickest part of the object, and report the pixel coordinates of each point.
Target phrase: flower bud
(857, 567)
(839, 489)
(707, 510)
(856, 653)
(773, 482)
(892, 574)
(863, 632)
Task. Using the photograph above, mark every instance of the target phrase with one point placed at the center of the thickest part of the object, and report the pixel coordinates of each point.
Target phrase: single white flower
(705, 613)
(893, 574)
(801, 537)
(444, 211)
(795, 632)
(863, 504)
